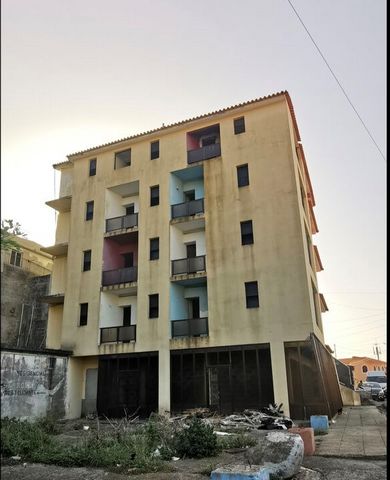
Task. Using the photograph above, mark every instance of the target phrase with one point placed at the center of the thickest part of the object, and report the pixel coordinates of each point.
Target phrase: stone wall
(33, 385)
(23, 315)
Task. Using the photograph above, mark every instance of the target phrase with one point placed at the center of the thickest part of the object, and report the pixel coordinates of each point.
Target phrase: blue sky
(80, 73)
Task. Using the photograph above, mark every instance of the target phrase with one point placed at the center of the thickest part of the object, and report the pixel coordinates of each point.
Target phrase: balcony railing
(118, 334)
(189, 265)
(188, 208)
(204, 153)
(119, 223)
(121, 275)
(191, 327)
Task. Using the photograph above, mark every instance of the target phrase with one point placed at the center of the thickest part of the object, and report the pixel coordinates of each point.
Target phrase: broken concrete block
(241, 472)
(307, 435)
(319, 423)
(280, 452)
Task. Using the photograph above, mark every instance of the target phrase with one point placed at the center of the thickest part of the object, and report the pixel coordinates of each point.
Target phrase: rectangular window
(154, 196)
(239, 125)
(83, 314)
(89, 211)
(246, 232)
(16, 258)
(154, 248)
(122, 159)
(243, 175)
(251, 294)
(127, 316)
(154, 150)
(87, 260)
(153, 305)
(92, 167)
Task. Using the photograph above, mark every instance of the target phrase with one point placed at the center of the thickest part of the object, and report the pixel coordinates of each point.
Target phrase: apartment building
(184, 271)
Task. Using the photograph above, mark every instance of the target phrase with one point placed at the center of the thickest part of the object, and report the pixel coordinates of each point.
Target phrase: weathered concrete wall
(349, 397)
(23, 315)
(32, 385)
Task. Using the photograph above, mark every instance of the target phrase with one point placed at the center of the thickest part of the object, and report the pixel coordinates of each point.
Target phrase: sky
(81, 73)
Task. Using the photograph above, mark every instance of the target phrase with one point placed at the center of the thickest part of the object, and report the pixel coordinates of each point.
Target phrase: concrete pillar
(279, 376)
(74, 386)
(164, 380)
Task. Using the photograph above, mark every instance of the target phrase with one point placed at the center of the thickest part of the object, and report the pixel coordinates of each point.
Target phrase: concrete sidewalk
(358, 432)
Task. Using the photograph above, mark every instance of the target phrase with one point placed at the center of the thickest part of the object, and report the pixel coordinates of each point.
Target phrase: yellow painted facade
(29, 257)
(279, 202)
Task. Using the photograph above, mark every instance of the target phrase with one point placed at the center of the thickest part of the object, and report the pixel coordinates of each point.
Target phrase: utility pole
(334, 348)
(377, 350)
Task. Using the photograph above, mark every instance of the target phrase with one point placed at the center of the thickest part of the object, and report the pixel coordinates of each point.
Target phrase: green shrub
(236, 441)
(21, 437)
(196, 441)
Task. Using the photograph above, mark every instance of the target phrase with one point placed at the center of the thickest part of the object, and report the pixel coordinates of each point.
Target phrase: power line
(339, 84)
(355, 308)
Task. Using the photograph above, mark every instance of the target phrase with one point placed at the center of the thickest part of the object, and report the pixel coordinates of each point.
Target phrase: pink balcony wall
(112, 259)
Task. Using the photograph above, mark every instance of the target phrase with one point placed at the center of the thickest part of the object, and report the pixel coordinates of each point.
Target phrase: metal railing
(121, 275)
(191, 327)
(119, 223)
(204, 153)
(189, 265)
(118, 334)
(186, 209)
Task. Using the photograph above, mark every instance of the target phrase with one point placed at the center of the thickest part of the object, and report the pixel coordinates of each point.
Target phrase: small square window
(243, 175)
(153, 305)
(154, 150)
(92, 167)
(154, 248)
(16, 258)
(251, 294)
(122, 159)
(83, 314)
(239, 125)
(246, 232)
(87, 260)
(89, 211)
(154, 196)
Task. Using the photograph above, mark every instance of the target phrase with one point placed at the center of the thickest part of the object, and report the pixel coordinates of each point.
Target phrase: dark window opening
(83, 314)
(154, 196)
(364, 368)
(89, 211)
(122, 159)
(193, 307)
(127, 316)
(246, 233)
(191, 250)
(239, 125)
(189, 196)
(92, 167)
(154, 150)
(211, 140)
(130, 209)
(16, 258)
(251, 294)
(154, 248)
(87, 260)
(153, 305)
(128, 259)
(243, 175)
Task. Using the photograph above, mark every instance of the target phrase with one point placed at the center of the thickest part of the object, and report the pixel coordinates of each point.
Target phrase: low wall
(33, 385)
(349, 396)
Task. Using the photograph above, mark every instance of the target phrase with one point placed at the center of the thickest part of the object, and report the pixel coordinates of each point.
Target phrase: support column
(164, 380)
(279, 376)
(74, 385)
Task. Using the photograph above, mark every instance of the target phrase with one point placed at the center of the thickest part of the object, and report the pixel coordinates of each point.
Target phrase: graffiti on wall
(32, 385)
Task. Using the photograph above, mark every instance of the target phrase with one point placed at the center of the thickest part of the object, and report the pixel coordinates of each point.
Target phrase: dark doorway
(193, 307)
(128, 259)
(127, 316)
(220, 397)
(189, 196)
(191, 250)
(130, 209)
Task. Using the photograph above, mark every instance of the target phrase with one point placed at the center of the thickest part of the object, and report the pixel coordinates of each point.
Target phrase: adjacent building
(185, 273)
(361, 365)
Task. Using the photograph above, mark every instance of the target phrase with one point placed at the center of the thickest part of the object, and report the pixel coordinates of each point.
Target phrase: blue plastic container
(319, 423)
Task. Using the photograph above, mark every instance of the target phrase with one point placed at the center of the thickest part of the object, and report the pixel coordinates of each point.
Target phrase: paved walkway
(358, 432)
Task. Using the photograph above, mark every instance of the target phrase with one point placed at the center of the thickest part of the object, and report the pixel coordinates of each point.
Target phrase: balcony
(118, 276)
(118, 334)
(54, 299)
(189, 265)
(62, 204)
(186, 209)
(191, 327)
(122, 223)
(204, 153)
